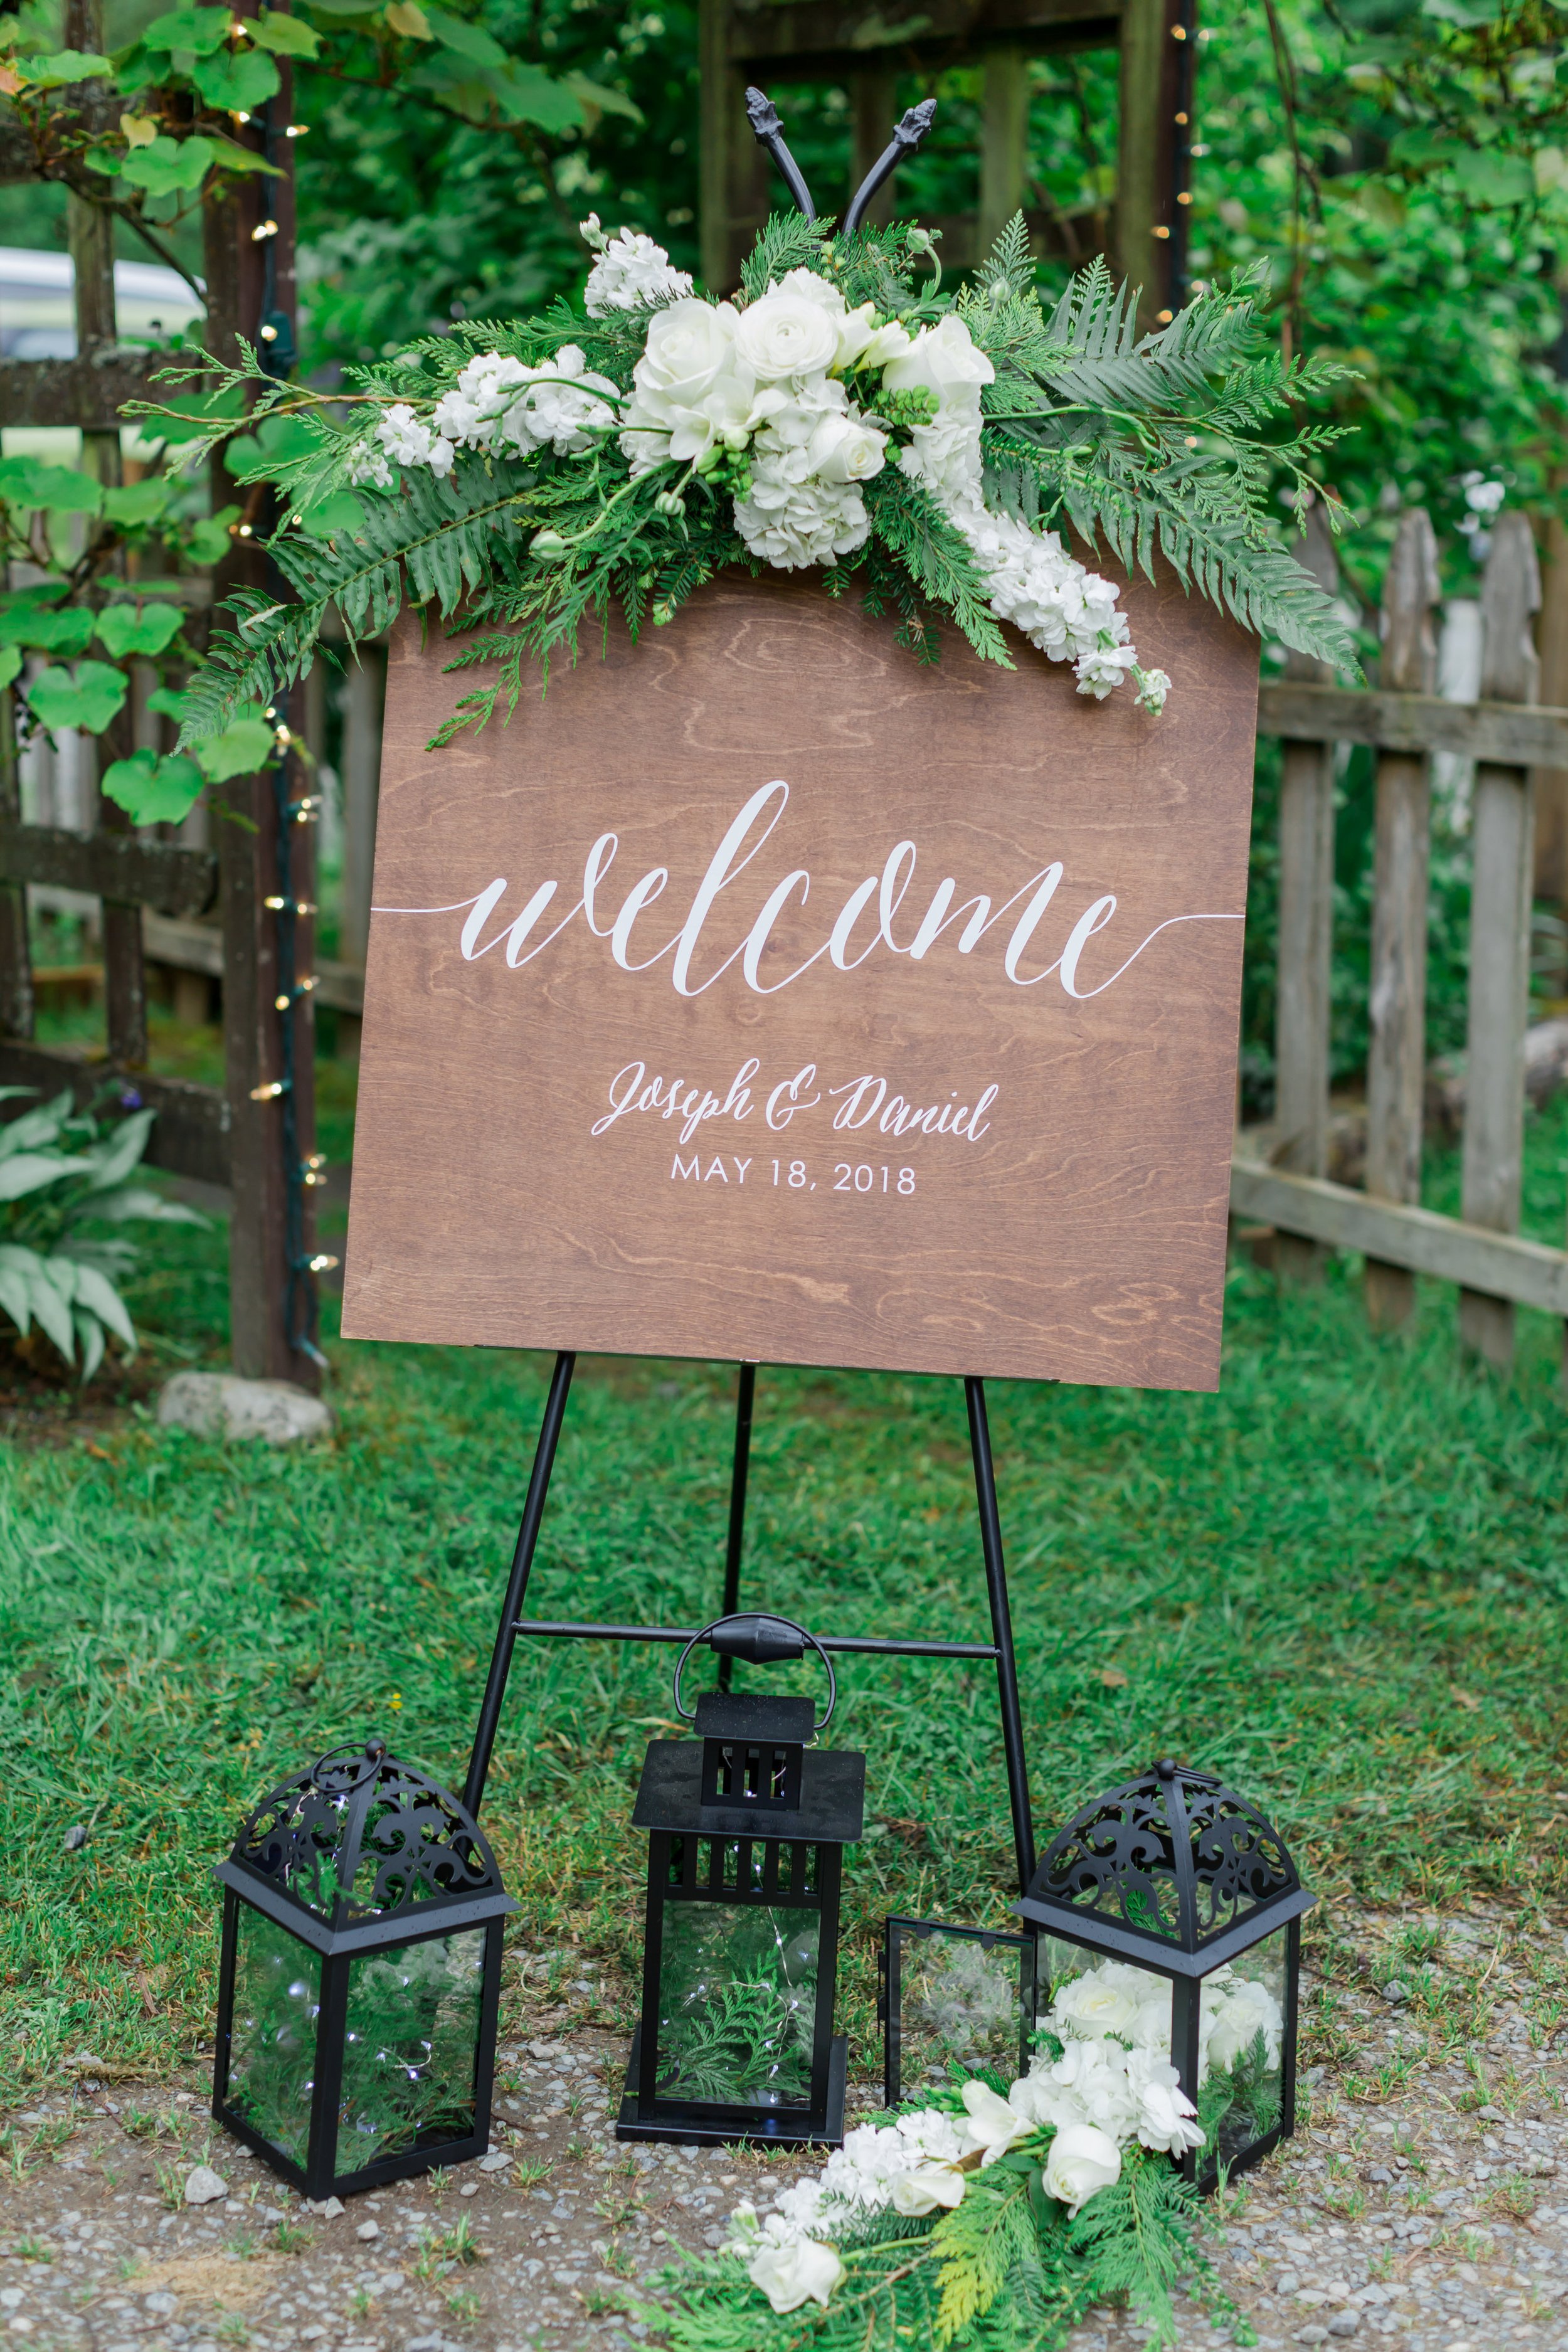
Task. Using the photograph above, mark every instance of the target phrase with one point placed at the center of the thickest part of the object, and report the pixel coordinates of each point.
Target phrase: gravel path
(1425, 2203)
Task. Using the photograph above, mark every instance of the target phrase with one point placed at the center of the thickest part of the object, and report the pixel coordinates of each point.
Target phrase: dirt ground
(1424, 2201)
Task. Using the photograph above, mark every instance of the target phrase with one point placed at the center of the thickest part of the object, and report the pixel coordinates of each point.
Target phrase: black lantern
(746, 1823)
(360, 1977)
(1188, 1883)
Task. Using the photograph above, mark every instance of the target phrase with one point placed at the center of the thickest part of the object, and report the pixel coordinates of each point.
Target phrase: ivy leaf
(65, 66)
(168, 165)
(238, 84)
(199, 31)
(10, 662)
(168, 702)
(469, 41)
(32, 482)
(286, 36)
(67, 633)
(248, 744)
(88, 700)
(123, 630)
(152, 791)
(138, 503)
(1494, 181)
(339, 511)
(207, 541)
(597, 98)
(407, 17)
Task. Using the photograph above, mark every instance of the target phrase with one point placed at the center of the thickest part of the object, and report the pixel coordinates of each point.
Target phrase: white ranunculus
(690, 388)
(845, 449)
(1081, 2160)
(785, 335)
(993, 2125)
(632, 273)
(943, 359)
(793, 2274)
(889, 343)
(860, 339)
(1166, 2116)
(926, 2187)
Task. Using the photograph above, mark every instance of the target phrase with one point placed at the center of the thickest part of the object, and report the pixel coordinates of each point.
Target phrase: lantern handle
(761, 1645)
(350, 1766)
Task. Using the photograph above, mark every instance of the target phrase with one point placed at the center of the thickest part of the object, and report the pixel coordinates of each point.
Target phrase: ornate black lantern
(746, 1829)
(359, 1977)
(1188, 1883)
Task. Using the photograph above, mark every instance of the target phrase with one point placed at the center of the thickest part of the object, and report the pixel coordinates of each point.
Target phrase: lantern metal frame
(749, 1779)
(1178, 1847)
(434, 1876)
(896, 1933)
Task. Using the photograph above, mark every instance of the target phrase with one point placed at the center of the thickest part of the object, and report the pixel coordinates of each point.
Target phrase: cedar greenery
(1147, 446)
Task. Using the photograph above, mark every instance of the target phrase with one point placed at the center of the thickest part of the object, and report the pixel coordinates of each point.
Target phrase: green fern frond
(788, 242)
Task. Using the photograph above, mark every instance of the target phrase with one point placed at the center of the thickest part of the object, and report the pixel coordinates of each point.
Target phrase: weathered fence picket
(1396, 1053)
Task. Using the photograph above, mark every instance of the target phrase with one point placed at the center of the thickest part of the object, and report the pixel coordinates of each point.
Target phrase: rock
(1380, 2172)
(75, 1838)
(1345, 2325)
(204, 2186)
(162, 2306)
(1313, 2335)
(367, 2231)
(714, 2237)
(1491, 2114)
(496, 2161)
(220, 1405)
(1396, 1990)
(328, 2210)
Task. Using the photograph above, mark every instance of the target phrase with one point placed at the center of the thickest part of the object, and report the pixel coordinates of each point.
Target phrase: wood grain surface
(1077, 1232)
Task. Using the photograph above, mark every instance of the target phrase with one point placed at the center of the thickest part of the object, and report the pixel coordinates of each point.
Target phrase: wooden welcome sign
(759, 993)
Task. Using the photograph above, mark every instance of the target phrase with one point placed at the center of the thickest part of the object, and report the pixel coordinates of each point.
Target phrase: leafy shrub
(63, 1171)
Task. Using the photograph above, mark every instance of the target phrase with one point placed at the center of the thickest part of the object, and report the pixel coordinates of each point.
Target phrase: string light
(292, 906)
(266, 229)
(297, 131)
(270, 1092)
(269, 335)
(322, 1264)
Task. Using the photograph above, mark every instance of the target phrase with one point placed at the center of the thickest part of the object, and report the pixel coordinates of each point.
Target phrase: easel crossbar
(862, 1644)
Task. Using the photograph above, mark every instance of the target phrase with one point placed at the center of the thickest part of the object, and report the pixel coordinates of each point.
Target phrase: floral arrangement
(524, 478)
(1000, 2214)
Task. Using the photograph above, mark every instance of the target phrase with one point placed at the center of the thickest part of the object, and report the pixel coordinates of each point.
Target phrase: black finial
(912, 130)
(763, 118)
(1166, 1770)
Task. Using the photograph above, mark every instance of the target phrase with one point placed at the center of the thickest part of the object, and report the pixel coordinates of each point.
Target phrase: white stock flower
(930, 2135)
(689, 389)
(792, 519)
(368, 466)
(1166, 2116)
(993, 2125)
(1100, 669)
(926, 2187)
(1153, 686)
(441, 455)
(790, 2275)
(787, 334)
(1087, 2084)
(632, 273)
(1081, 2160)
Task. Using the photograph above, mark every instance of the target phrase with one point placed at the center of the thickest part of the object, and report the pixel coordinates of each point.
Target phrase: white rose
(860, 337)
(889, 343)
(791, 2275)
(846, 449)
(1090, 2006)
(942, 358)
(1081, 2160)
(1244, 2010)
(688, 388)
(926, 2187)
(787, 335)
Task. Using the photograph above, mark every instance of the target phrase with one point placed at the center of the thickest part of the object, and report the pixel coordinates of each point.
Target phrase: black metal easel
(999, 1648)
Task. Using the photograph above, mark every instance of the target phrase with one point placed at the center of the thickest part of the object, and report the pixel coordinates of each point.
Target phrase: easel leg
(745, 1395)
(517, 1584)
(1001, 1633)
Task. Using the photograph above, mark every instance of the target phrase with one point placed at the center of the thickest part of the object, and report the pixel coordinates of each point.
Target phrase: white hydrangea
(631, 273)
(791, 517)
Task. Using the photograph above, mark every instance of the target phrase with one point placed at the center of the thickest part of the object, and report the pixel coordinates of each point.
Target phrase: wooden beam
(820, 36)
(198, 947)
(191, 1133)
(110, 866)
(92, 106)
(1400, 1234)
(1512, 736)
(89, 391)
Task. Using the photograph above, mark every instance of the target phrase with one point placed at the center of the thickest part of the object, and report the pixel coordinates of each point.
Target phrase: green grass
(1341, 1582)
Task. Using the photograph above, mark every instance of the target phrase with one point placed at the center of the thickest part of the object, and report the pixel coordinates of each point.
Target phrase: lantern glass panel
(737, 2002)
(962, 2000)
(277, 2001)
(1241, 2085)
(411, 2048)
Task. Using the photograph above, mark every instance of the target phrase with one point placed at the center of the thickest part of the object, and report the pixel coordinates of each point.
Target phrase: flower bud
(548, 546)
(669, 502)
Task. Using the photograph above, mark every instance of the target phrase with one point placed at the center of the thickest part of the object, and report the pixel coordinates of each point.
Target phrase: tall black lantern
(1189, 1884)
(746, 1827)
(360, 1977)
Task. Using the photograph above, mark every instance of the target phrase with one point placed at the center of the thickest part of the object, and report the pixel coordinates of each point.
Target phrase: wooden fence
(1507, 735)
